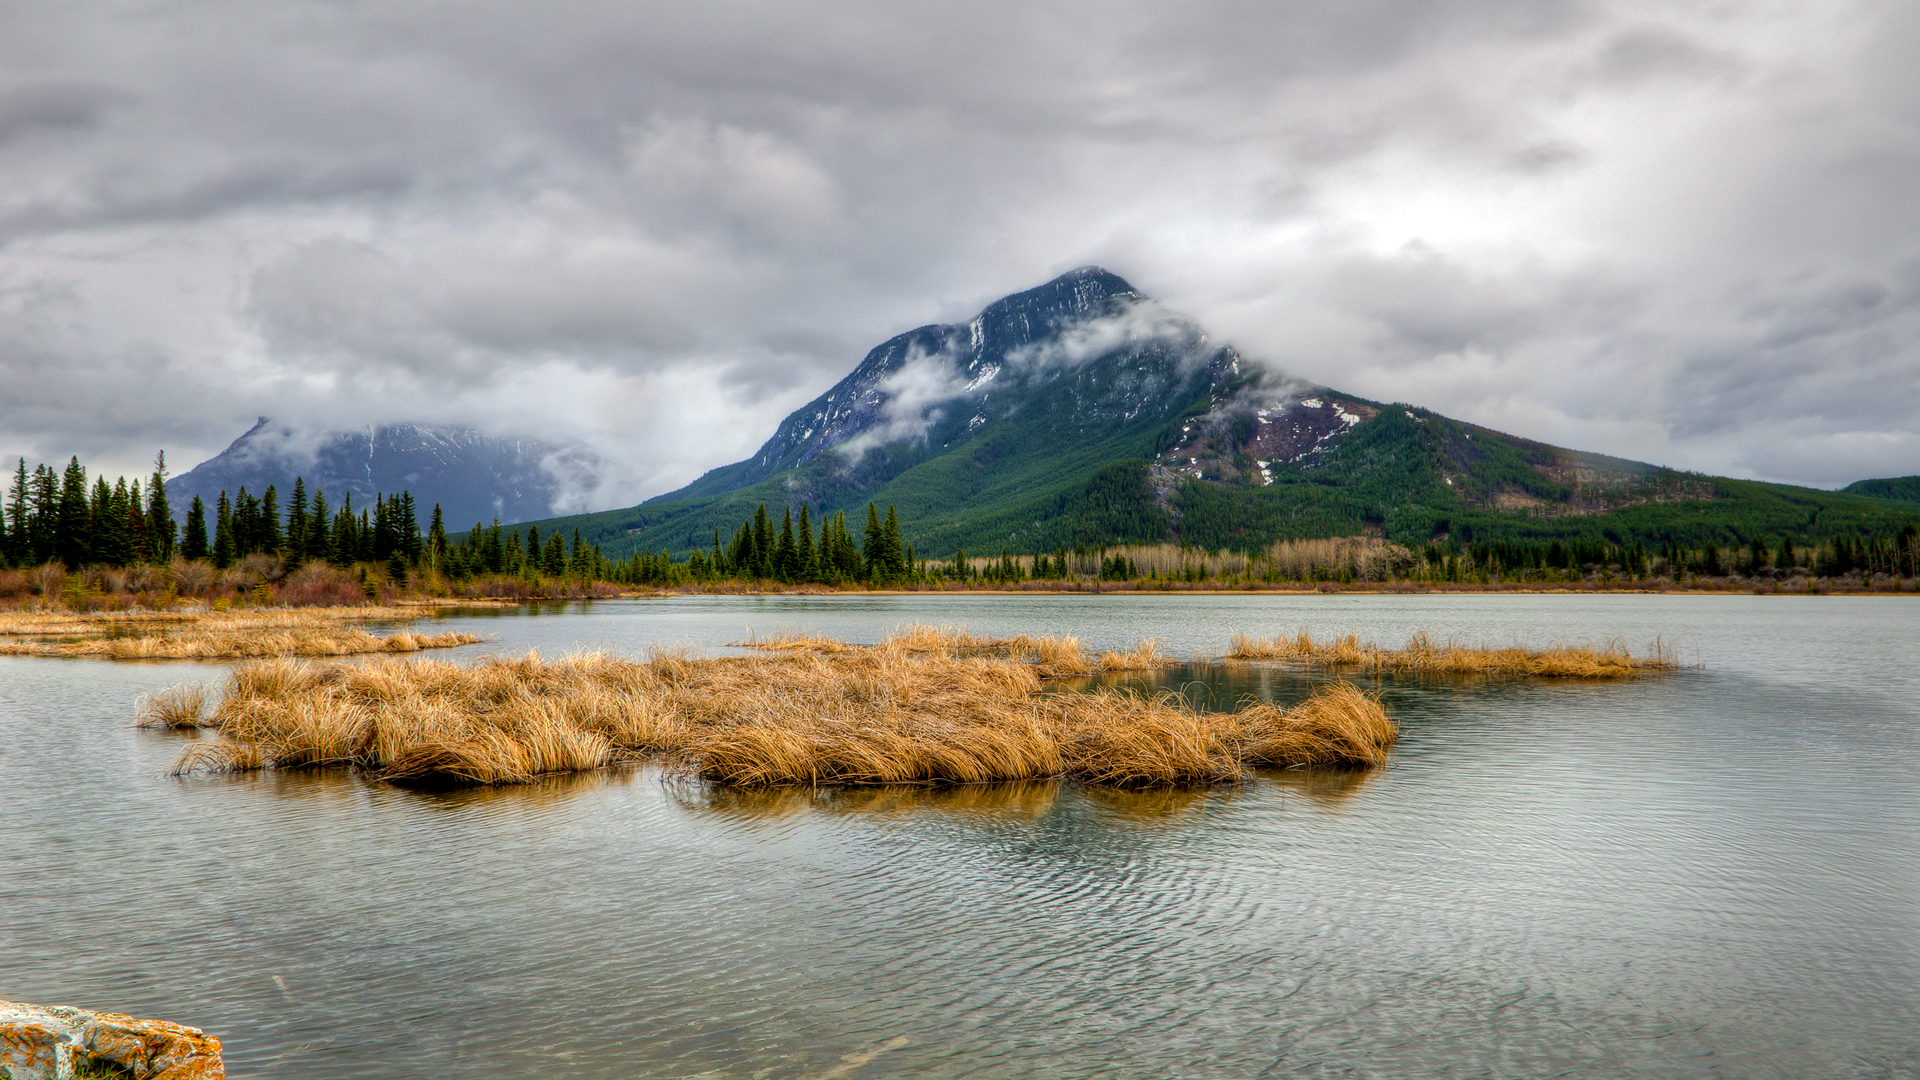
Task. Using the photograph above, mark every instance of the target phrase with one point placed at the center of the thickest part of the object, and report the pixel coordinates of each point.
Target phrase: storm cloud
(1682, 233)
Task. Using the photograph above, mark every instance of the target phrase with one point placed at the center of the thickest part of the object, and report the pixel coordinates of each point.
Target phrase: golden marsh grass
(214, 635)
(1423, 655)
(807, 712)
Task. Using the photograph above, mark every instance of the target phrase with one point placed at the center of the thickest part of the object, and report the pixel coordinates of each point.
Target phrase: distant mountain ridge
(471, 475)
(1083, 412)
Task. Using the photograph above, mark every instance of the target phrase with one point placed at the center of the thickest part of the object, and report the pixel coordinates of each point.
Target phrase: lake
(1714, 872)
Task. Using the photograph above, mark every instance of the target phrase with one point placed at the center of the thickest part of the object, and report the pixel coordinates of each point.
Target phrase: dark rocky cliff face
(472, 476)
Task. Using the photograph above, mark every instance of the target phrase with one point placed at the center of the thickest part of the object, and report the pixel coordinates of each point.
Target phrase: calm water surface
(1712, 873)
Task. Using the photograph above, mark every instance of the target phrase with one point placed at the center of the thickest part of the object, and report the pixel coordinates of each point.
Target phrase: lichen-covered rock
(41, 1043)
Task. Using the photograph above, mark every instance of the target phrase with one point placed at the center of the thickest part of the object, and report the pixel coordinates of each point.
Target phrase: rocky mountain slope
(472, 476)
(1083, 412)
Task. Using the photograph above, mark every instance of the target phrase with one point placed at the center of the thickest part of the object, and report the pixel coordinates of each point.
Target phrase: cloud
(1140, 324)
(913, 398)
(1679, 232)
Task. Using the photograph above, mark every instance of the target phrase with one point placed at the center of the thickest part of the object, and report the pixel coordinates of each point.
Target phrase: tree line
(59, 516)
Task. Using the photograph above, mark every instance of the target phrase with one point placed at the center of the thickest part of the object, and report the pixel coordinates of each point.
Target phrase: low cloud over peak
(1681, 234)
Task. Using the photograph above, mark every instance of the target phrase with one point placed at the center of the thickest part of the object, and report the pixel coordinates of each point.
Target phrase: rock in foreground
(50, 1043)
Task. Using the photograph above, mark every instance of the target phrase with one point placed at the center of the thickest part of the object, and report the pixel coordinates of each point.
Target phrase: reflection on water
(1709, 873)
(1025, 799)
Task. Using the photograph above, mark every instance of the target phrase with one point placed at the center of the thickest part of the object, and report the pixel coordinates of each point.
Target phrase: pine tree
(194, 544)
(533, 546)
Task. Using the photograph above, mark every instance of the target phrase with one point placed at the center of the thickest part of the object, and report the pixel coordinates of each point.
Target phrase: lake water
(1710, 873)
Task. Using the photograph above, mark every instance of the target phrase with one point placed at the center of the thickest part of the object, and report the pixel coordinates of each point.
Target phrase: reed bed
(1423, 655)
(893, 713)
(214, 635)
(1051, 657)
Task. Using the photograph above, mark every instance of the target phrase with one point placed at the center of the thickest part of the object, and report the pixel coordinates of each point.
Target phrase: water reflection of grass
(805, 712)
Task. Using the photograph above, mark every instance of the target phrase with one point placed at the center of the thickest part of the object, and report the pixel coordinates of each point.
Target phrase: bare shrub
(195, 578)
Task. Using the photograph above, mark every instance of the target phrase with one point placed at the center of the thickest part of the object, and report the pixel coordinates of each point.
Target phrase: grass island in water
(925, 706)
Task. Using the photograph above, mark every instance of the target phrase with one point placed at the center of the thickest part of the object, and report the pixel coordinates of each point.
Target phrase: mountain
(473, 477)
(1083, 412)
(1904, 488)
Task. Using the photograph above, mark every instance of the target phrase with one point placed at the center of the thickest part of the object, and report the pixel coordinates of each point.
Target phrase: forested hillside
(1081, 413)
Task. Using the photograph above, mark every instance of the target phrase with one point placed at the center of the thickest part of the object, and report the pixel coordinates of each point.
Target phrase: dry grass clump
(1422, 654)
(182, 706)
(210, 635)
(884, 714)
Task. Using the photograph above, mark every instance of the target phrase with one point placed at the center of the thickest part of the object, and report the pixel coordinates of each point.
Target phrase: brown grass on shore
(214, 635)
(884, 714)
(1422, 654)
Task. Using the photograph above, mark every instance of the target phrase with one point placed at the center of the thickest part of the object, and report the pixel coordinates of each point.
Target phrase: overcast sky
(1683, 233)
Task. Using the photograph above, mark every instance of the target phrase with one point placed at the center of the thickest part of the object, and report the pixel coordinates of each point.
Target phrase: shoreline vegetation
(925, 706)
(66, 543)
(205, 634)
(1422, 655)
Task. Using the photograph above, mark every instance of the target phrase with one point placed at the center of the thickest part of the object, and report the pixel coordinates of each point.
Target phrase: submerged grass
(913, 709)
(214, 635)
(1423, 655)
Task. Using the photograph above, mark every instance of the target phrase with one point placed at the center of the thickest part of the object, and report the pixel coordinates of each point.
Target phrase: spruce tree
(495, 552)
(194, 544)
(763, 543)
(533, 546)
(46, 513)
(874, 545)
(313, 542)
(269, 539)
(406, 525)
(160, 523)
(806, 570)
(223, 532)
(19, 546)
(786, 554)
(296, 545)
(896, 560)
(437, 537)
(111, 544)
(70, 526)
(240, 531)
